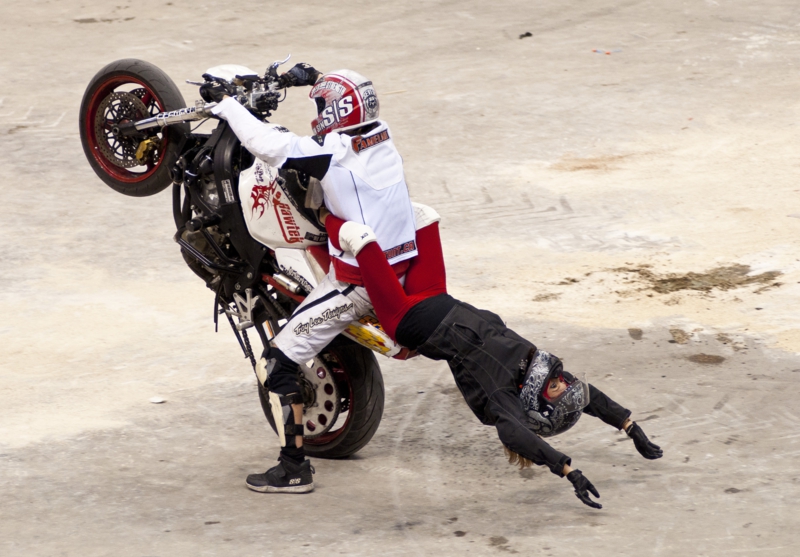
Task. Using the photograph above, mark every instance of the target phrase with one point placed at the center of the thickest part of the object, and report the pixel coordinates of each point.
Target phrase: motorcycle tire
(366, 394)
(123, 91)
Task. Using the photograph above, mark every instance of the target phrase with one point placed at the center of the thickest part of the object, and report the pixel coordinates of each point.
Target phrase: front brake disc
(115, 109)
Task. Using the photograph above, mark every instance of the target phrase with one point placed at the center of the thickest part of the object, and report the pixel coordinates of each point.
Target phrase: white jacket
(362, 177)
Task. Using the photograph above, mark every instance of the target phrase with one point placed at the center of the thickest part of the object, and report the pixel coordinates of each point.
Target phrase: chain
(282, 313)
(248, 349)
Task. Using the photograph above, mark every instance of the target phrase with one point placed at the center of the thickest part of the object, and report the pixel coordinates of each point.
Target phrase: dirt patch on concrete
(574, 164)
(706, 359)
(680, 336)
(719, 278)
(725, 339)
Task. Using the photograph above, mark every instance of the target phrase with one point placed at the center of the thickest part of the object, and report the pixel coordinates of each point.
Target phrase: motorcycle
(248, 230)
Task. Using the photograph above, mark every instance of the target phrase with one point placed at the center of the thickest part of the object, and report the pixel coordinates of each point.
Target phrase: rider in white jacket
(361, 174)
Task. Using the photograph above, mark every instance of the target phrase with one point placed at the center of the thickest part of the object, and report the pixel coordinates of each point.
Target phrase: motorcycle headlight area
(321, 401)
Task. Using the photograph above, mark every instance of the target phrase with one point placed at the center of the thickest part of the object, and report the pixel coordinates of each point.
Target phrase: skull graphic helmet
(551, 416)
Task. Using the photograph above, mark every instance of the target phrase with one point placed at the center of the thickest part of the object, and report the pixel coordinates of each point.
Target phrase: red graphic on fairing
(262, 197)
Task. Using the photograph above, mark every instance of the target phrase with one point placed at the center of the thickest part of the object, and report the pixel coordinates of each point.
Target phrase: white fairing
(270, 216)
(294, 263)
(229, 71)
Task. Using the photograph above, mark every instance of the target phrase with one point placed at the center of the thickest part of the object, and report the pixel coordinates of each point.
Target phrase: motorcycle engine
(210, 194)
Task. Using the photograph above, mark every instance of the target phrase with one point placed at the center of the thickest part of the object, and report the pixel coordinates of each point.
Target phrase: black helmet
(556, 415)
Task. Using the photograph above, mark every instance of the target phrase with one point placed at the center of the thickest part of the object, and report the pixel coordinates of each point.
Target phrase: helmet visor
(575, 397)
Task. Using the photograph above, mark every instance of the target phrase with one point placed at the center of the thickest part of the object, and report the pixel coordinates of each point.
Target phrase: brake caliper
(144, 148)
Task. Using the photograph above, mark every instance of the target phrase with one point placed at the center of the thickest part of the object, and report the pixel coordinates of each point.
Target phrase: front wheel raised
(342, 401)
(122, 92)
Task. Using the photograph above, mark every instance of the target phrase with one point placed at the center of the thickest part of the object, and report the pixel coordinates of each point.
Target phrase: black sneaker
(286, 477)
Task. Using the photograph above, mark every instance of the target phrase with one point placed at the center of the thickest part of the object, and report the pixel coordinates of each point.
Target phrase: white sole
(289, 489)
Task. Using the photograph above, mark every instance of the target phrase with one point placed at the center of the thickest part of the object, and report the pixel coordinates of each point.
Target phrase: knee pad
(283, 415)
(264, 368)
(279, 370)
(278, 373)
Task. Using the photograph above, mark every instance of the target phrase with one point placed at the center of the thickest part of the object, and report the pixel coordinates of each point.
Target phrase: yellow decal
(368, 332)
(369, 320)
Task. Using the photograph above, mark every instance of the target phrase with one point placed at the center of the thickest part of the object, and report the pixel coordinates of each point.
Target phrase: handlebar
(257, 93)
(199, 111)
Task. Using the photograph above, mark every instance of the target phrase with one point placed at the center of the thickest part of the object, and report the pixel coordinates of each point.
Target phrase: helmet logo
(328, 117)
(335, 112)
(344, 106)
(338, 88)
(370, 99)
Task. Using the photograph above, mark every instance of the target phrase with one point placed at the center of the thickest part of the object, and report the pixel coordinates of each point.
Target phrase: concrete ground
(587, 174)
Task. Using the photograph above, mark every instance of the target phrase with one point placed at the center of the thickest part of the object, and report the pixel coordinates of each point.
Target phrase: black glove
(582, 489)
(646, 448)
(213, 93)
(301, 74)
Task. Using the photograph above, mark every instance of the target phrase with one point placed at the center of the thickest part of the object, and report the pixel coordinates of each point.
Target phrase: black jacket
(488, 361)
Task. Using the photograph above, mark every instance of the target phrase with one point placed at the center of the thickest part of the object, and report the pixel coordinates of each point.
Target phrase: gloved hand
(213, 93)
(354, 236)
(301, 74)
(582, 489)
(646, 448)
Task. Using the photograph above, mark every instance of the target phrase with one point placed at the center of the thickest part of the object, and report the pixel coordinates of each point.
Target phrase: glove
(582, 489)
(646, 448)
(301, 74)
(213, 93)
(354, 236)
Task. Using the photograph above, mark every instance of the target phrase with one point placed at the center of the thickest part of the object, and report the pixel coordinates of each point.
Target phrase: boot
(286, 477)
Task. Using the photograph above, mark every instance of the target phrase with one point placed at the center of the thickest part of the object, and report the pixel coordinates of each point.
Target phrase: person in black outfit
(507, 382)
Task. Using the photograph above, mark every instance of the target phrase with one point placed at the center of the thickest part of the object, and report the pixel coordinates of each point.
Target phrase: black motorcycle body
(243, 227)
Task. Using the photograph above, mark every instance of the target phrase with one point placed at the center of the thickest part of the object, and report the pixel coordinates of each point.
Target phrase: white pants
(325, 313)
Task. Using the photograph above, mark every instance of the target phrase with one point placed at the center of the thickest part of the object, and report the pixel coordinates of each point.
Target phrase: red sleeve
(332, 226)
(426, 274)
(387, 296)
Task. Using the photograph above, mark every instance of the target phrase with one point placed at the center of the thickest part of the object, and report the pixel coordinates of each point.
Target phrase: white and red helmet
(345, 100)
